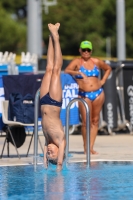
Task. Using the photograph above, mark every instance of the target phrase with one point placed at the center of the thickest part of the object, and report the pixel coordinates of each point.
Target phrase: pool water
(102, 181)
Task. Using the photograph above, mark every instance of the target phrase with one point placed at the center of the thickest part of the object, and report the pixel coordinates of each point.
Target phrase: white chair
(9, 124)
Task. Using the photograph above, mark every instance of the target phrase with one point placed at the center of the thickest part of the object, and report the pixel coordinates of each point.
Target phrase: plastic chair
(9, 124)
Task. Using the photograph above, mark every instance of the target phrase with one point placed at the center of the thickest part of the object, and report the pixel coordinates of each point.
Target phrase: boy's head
(52, 153)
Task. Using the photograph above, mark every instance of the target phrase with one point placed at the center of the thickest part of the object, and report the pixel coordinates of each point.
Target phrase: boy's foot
(57, 25)
(54, 29)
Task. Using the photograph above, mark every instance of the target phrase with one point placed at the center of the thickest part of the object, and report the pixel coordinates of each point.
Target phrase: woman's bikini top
(90, 73)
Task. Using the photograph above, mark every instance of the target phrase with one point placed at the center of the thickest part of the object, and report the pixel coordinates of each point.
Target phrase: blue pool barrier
(69, 91)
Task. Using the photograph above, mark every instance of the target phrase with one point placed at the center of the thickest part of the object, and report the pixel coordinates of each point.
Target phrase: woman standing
(86, 71)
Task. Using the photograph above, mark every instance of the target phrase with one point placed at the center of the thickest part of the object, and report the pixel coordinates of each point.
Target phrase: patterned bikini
(90, 73)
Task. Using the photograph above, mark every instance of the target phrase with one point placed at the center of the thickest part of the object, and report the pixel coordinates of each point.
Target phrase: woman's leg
(83, 116)
(55, 89)
(48, 73)
(96, 108)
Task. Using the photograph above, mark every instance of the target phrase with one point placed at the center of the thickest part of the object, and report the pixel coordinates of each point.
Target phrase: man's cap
(86, 45)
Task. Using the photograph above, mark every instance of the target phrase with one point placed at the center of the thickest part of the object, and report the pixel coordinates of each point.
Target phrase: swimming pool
(102, 181)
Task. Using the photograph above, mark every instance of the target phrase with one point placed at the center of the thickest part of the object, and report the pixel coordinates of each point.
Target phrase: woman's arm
(107, 70)
(72, 68)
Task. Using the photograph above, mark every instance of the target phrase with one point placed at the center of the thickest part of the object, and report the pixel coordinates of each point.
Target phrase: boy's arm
(45, 153)
(61, 155)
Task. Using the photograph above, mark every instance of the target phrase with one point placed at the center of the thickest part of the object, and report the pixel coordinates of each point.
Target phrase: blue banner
(69, 92)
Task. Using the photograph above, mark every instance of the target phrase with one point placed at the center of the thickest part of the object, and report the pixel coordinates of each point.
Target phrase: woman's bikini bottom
(91, 95)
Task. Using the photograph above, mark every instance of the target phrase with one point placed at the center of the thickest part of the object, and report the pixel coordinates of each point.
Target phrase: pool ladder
(66, 128)
(87, 128)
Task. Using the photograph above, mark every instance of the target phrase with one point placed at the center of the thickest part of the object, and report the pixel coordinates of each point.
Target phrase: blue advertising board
(69, 92)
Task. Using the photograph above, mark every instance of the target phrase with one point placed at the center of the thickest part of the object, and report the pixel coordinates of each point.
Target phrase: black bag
(21, 109)
(19, 135)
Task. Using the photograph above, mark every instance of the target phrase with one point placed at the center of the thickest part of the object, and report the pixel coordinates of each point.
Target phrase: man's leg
(55, 89)
(50, 63)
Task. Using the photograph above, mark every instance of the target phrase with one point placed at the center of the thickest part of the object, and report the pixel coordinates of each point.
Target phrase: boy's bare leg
(55, 89)
(46, 83)
(50, 63)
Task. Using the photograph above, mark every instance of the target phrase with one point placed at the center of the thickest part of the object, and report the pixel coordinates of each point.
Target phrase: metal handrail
(87, 128)
(36, 127)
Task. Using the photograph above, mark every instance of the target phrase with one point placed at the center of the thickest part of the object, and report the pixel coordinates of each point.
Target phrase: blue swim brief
(47, 100)
(91, 95)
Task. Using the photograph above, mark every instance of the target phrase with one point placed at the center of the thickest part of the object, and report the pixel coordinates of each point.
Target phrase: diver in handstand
(51, 102)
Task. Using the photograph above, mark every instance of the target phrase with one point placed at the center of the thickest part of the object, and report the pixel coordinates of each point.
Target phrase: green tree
(129, 28)
(80, 20)
(13, 33)
(92, 20)
(12, 6)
